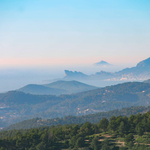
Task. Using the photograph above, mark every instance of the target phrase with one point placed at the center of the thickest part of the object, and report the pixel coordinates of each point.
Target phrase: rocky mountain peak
(144, 63)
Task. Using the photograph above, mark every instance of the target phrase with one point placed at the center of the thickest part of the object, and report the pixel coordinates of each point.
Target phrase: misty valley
(69, 96)
(68, 101)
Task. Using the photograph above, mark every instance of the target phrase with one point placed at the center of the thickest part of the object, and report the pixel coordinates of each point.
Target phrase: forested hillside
(117, 133)
(92, 118)
(17, 106)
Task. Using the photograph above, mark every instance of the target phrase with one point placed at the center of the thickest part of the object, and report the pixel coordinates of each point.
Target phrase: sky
(37, 33)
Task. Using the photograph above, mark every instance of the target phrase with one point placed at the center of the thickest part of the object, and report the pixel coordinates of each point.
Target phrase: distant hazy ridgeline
(57, 88)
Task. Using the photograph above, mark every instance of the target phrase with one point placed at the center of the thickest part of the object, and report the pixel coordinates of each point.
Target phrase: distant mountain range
(57, 88)
(17, 106)
(140, 72)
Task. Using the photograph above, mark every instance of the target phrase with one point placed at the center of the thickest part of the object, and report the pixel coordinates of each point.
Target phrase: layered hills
(57, 88)
(17, 106)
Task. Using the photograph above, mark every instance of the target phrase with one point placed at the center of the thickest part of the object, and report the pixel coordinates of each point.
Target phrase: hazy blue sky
(60, 32)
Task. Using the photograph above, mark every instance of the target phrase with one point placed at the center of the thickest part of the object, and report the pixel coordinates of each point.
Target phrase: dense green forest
(117, 133)
(92, 118)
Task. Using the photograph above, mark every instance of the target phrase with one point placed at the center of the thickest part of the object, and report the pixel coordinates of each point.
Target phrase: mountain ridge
(140, 72)
(57, 88)
(41, 90)
(18, 106)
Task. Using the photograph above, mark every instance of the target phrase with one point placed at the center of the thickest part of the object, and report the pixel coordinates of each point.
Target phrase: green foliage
(86, 129)
(122, 148)
(129, 138)
(112, 123)
(121, 129)
(72, 141)
(105, 145)
(139, 129)
(94, 144)
(103, 124)
(41, 146)
(80, 142)
(82, 136)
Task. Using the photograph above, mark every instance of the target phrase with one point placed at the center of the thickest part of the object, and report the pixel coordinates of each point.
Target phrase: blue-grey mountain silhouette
(102, 63)
(57, 88)
(140, 72)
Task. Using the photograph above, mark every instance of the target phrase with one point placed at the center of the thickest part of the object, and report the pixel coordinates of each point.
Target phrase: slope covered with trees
(117, 133)
(92, 118)
(18, 106)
